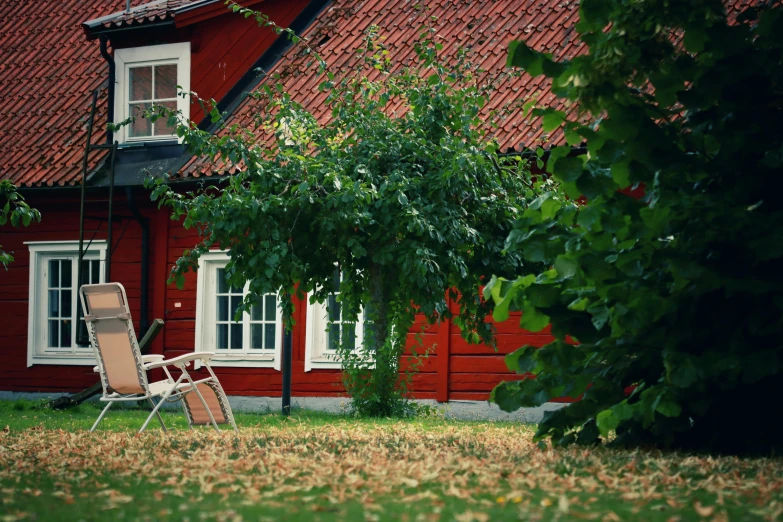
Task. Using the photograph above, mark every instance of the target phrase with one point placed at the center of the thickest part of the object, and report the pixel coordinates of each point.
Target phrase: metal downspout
(109, 141)
(109, 87)
(145, 259)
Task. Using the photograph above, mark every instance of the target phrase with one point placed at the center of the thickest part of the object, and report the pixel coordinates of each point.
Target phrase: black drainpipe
(110, 87)
(145, 258)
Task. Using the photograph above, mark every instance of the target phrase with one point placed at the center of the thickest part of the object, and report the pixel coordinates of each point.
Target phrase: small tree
(674, 298)
(398, 199)
(15, 209)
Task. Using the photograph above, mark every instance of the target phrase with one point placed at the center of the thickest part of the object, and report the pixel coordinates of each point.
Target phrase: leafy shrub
(675, 298)
(400, 190)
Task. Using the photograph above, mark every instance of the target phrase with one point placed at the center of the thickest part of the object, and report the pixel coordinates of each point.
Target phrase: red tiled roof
(47, 73)
(485, 26)
(155, 11)
(48, 69)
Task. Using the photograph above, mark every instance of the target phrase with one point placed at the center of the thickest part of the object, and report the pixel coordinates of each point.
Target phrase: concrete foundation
(462, 410)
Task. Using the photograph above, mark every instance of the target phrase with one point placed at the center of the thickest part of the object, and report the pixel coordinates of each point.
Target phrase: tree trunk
(386, 356)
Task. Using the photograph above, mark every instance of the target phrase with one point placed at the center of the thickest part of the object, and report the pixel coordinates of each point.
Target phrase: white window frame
(206, 332)
(37, 329)
(178, 53)
(318, 356)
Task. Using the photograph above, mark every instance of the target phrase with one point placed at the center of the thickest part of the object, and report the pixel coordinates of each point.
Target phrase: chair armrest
(181, 361)
(152, 358)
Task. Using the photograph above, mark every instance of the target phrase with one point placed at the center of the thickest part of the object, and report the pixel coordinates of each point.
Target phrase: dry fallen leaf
(472, 516)
(345, 462)
(703, 511)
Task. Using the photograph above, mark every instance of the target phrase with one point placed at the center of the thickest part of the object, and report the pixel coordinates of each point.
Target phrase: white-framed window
(254, 340)
(57, 333)
(147, 76)
(325, 329)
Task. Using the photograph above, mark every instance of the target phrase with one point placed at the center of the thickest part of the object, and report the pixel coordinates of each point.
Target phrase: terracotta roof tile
(150, 12)
(47, 73)
(48, 69)
(486, 27)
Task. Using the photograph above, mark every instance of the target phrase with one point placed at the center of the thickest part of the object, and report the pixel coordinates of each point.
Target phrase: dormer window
(147, 77)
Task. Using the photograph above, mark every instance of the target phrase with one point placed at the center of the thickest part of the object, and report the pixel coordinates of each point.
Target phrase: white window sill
(64, 360)
(326, 363)
(242, 361)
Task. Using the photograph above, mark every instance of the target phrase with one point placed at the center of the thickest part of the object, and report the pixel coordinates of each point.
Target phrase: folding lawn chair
(123, 369)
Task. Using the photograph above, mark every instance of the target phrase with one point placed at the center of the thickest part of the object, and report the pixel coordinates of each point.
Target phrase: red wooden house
(51, 59)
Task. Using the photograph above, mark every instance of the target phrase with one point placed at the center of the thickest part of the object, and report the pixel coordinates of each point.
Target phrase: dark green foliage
(407, 204)
(676, 295)
(13, 209)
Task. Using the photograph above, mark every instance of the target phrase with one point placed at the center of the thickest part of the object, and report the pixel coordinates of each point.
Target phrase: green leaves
(667, 271)
(14, 209)
(568, 170)
(408, 204)
(520, 55)
(533, 320)
(552, 120)
(606, 422)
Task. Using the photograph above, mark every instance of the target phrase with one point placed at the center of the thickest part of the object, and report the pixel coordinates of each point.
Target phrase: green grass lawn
(315, 466)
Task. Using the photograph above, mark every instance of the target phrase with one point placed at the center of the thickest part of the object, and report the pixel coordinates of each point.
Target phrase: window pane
(140, 126)
(349, 336)
(65, 273)
(95, 272)
(54, 303)
(269, 336)
(81, 332)
(54, 273)
(236, 300)
(140, 83)
(236, 336)
(333, 308)
(65, 304)
(166, 81)
(270, 304)
(90, 272)
(65, 334)
(334, 337)
(222, 336)
(162, 127)
(257, 311)
(256, 333)
(54, 333)
(222, 285)
(85, 274)
(222, 308)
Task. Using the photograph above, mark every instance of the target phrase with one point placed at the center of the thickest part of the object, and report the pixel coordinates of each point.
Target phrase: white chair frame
(168, 390)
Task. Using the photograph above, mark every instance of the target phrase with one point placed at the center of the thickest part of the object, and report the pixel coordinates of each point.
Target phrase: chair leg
(101, 416)
(157, 413)
(154, 412)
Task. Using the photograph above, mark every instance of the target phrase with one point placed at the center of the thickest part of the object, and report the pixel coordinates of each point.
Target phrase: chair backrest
(112, 338)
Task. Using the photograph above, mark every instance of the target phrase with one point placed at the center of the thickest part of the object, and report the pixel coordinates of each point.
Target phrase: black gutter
(271, 56)
(112, 30)
(109, 87)
(145, 258)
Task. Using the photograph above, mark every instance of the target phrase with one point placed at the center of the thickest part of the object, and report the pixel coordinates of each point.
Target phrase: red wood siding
(60, 222)
(454, 370)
